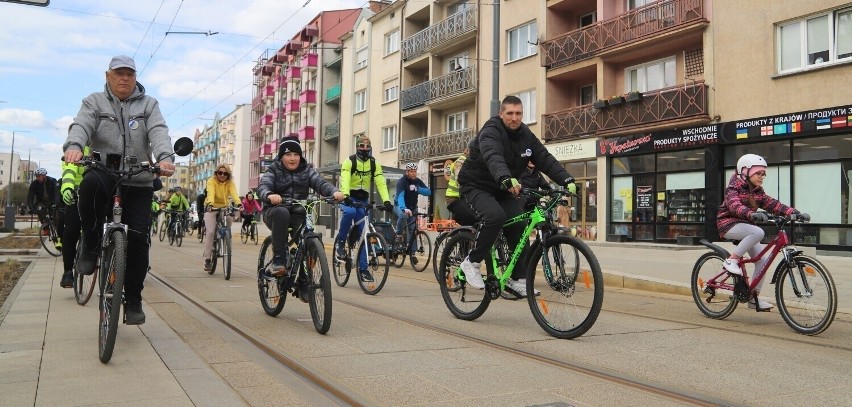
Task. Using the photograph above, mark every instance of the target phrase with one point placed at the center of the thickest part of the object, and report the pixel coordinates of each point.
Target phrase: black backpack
(353, 170)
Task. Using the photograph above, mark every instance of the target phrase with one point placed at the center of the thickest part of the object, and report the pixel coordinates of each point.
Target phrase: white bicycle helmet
(40, 171)
(747, 161)
(410, 166)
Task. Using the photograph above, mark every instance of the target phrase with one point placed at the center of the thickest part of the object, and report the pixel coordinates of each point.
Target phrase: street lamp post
(9, 220)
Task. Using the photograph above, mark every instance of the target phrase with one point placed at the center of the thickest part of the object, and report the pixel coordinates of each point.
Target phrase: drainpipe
(495, 69)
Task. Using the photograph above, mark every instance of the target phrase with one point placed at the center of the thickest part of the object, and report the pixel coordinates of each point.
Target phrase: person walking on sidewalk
(120, 121)
(356, 176)
(738, 215)
(407, 190)
(221, 192)
(290, 176)
(499, 155)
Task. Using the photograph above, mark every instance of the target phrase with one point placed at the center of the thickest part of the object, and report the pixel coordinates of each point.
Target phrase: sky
(52, 57)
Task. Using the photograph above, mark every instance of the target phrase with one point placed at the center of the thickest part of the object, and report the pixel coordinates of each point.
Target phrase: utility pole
(495, 70)
(9, 220)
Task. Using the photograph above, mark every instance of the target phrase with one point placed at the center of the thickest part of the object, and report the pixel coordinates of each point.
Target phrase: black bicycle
(307, 271)
(222, 240)
(176, 231)
(47, 233)
(402, 242)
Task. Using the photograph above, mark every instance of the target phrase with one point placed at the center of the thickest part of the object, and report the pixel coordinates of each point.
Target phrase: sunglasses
(363, 146)
(760, 174)
(222, 173)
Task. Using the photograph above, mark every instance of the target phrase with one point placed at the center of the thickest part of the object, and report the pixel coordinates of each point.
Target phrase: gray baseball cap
(122, 61)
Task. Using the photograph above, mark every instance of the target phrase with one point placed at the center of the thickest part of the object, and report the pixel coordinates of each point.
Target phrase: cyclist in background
(461, 213)
(290, 176)
(72, 174)
(738, 214)
(177, 203)
(43, 196)
(407, 190)
(221, 192)
(499, 155)
(356, 176)
(251, 208)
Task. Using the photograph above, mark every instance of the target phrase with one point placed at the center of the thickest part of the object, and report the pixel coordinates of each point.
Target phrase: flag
(795, 127)
(849, 121)
(765, 130)
(742, 134)
(838, 121)
(808, 125)
(780, 128)
(822, 124)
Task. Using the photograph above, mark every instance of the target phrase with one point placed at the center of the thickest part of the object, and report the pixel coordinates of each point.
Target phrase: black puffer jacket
(497, 154)
(292, 184)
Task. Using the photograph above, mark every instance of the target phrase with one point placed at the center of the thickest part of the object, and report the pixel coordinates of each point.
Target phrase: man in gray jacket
(121, 121)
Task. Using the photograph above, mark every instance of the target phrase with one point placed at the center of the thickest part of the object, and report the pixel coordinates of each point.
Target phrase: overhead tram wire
(161, 41)
(148, 29)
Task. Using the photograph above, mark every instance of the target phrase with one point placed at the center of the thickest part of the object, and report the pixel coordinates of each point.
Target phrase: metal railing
(452, 84)
(436, 146)
(436, 34)
(331, 131)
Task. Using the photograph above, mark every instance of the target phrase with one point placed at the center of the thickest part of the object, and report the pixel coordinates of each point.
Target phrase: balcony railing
(307, 133)
(436, 146)
(445, 30)
(676, 102)
(636, 24)
(293, 73)
(452, 84)
(332, 95)
(267, 120)
(308, 97)
(332, 131)
(309, 61)
(291, 106)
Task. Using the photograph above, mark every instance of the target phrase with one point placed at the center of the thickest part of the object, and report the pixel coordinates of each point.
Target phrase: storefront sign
(573, 150)
(661, 141)
(643, 197)
(638, 143)
(810, 123)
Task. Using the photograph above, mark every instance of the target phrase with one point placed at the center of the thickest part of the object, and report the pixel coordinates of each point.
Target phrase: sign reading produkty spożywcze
(801, 124)
(666, 140)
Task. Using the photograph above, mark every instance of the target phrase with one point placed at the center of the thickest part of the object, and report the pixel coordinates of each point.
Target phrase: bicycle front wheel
(422, 251)
(341, 267)
(111, 287)
(378, 263)
(214, 254)
(48, 239)
(244, 235)
(84, 285)
(806, 295)
(272, 297)
(712, 287)
(164, 227)
(463, 301)
(569, 277)
(179, 235)
(319, 285)
(226, 255)
(254, 233)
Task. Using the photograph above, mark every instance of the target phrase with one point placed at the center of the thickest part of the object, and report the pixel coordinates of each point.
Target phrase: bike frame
(412, 222)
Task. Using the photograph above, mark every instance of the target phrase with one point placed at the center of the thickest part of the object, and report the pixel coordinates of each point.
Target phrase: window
(391, 92)
(528, 100)
(392, 42)
(389, 137)
(361, 58)
(360, 101)
(588, 94)
(457, 7)
(631, 4)
(588, 19)
(650, 76)
(457, 121)
(522, 41)
(458, 62)
(814, 40)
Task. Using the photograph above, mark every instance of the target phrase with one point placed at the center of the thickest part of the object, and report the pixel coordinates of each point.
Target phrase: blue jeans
(402, 220)
(350, 216)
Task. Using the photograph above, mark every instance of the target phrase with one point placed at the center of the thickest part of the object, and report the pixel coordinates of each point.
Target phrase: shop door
(644, 224)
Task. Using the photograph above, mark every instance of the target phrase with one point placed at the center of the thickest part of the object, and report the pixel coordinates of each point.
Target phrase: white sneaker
(732, 267)
(472, 274)
(761, 305)
(517, 287)
(524, 282)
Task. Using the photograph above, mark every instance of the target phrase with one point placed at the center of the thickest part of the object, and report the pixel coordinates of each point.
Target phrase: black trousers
(461, 212)
(70, 237)
(493, 210)
(95, 203)
(279, 219)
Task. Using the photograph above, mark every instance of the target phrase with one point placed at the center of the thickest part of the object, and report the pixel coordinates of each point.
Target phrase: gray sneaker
(524, 282)
(517, 288)
(472, 274)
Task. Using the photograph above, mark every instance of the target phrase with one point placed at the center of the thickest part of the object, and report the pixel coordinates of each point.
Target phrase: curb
(13, 295)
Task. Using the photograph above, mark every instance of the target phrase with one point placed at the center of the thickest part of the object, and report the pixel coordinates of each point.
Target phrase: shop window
(621, 206)
(633, 164)
(681, 160)
(825, 205)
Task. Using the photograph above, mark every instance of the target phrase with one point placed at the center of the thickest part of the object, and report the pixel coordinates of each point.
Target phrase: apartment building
(234, 144)
(15, 167)
(205, 156)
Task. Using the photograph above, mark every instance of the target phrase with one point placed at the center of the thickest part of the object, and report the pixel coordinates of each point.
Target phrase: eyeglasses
(363, 145)
(222, 173)
(760, 174)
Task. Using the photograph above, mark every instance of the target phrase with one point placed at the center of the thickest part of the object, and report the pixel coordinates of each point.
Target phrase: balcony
(637, 24)
(664, 107)
(293, 74)
(332, 95)
(254, 155)
(438, 146)
(308, 97)
(332, 132)
(257, 101)
(267, 149)
(267, 120)
(450, 85)
(440, 33)
(278, 81)
(307, 133)
(269, 91)
(309, 61)
(291, 106)
(278, 114)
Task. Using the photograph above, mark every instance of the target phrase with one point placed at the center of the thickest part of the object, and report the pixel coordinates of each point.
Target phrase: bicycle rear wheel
(715, 299)
(397, 255)
(226, 255)
(806, 295)
(422, 251)
(319, 285)
(48, 239)
(378, 263)
(341, 268)
(569, 277)
(84, 285)
(164, 227)
(272, 297)
(111, 287)
(463, 301)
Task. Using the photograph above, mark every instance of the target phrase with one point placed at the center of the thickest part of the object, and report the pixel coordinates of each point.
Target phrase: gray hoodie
(132, 127)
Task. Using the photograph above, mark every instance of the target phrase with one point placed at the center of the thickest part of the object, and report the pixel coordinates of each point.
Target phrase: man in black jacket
(489, 183)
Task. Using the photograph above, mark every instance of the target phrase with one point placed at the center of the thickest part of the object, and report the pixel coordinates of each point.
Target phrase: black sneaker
(413, 260)
(366, 276)
(278, 268)
(86, 264)
(133, 314)
(339, 250)
(208, 265)
(67, 280)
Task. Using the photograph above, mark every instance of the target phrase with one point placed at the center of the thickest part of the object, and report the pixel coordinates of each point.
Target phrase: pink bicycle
(804, 290)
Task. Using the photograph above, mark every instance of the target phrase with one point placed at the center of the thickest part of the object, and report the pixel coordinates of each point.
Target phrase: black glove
(388, 206)
(509, 183)
(347, 200)
(804, 217)
(759, 217)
